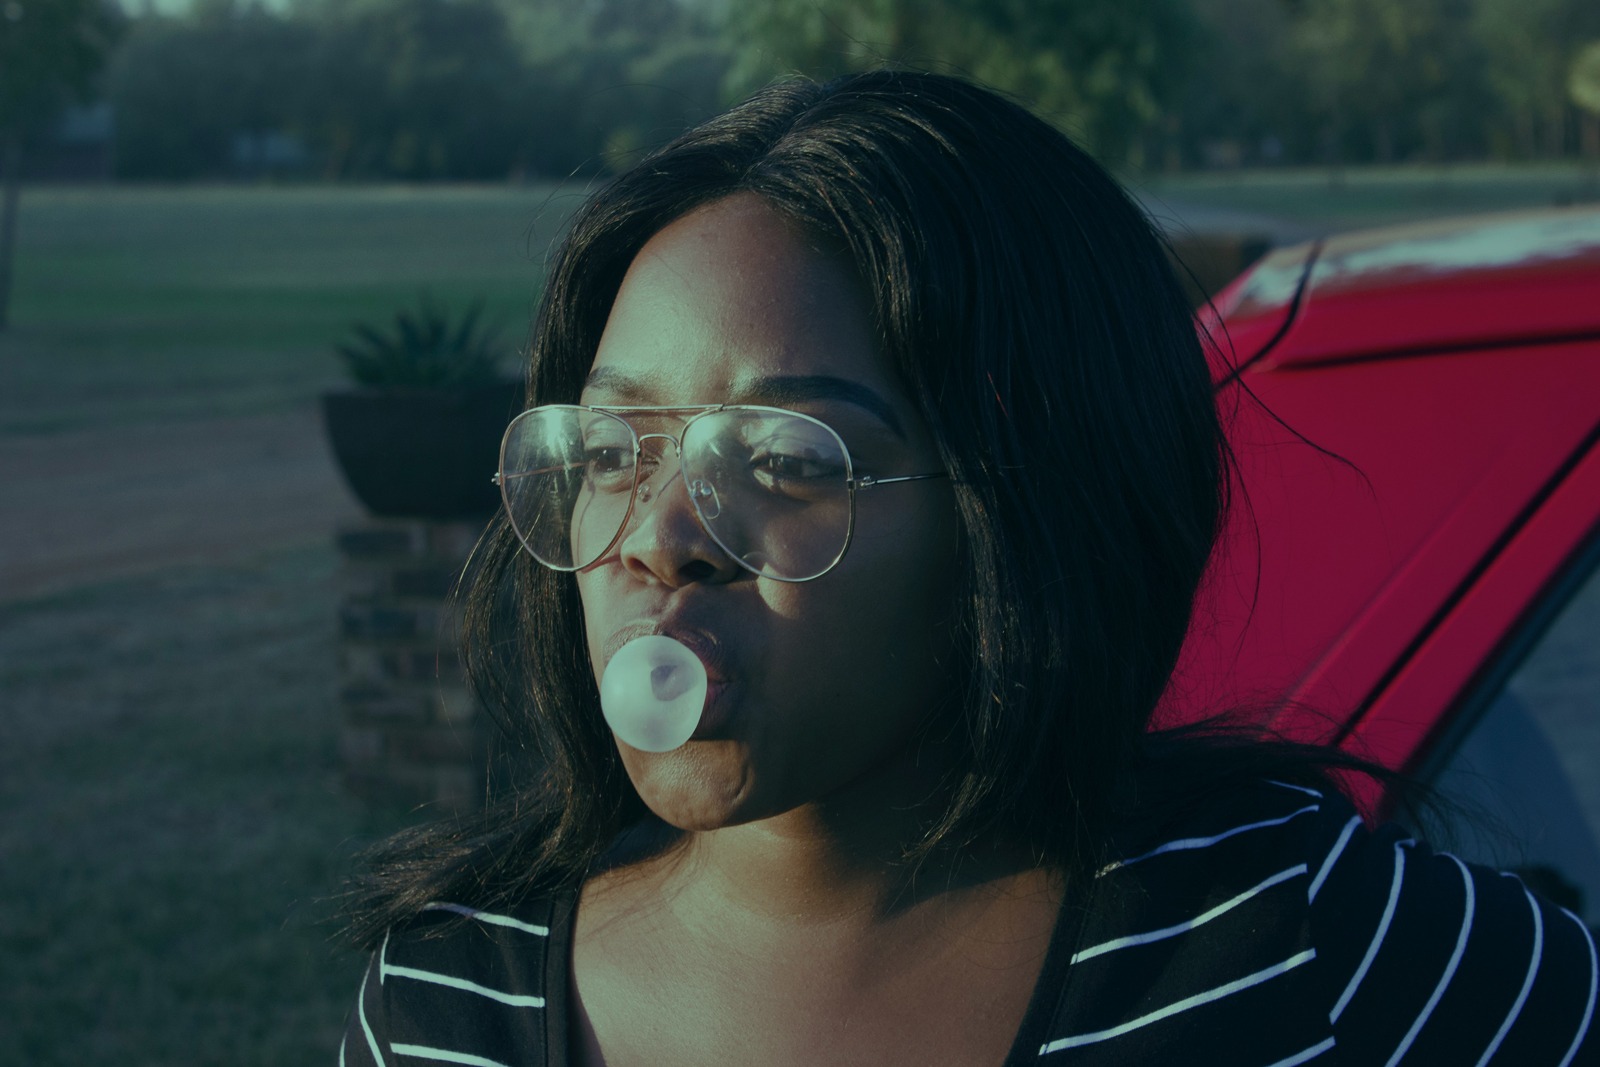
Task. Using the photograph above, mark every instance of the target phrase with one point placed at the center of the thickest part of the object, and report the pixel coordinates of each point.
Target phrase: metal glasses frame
(696, 412)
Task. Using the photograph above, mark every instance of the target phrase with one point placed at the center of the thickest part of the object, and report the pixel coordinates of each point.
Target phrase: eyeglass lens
(771, 487)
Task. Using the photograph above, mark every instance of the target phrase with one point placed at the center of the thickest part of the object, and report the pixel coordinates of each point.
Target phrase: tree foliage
(1583, 79)
(183, 90)
(1390, 80)
(416, 89)
(1246, 85)
(421, 89)
(413, 89)
(1104, 70)
(1375, 80)
(1530, 46)
(625, 76)
(50, 51)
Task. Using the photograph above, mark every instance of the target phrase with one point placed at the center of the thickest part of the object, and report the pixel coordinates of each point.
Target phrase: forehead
(725, 296)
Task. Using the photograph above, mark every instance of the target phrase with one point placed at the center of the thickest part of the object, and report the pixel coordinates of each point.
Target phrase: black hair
(1028, 307)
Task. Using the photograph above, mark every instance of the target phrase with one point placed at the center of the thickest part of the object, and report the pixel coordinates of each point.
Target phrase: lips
(718, 710)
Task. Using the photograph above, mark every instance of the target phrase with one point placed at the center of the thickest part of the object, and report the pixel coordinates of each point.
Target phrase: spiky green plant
(426, 348)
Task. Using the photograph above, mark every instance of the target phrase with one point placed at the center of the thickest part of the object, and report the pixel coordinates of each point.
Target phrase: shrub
(426, 349)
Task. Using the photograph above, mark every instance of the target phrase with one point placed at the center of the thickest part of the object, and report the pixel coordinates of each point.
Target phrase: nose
(665, 542)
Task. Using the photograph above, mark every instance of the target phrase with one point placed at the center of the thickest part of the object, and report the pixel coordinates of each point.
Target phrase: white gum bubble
(652, 693)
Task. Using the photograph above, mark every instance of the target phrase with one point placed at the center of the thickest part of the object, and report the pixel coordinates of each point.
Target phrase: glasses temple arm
(867, 481)
(499, 478)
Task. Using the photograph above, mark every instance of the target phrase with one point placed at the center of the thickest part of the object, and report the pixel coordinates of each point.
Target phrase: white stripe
(487, 917)
(1182, 1005)
(385, 969)
(1333, 857)
(1206, 842)
(515, 1000)
(342, 1040)
(423, 1052)
(1594, 983)
(361, 1013)
(1297, 789)
(1305, 1054)
(1449, 970)
(1377, 938)
(1172, 931)
(1527, 983)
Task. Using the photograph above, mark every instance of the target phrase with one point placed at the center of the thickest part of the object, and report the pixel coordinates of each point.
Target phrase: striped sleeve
(1272, 930)
(457, 986)
(1429, 960)
(1196, 947)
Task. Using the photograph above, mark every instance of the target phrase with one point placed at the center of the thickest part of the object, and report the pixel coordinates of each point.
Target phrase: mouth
(717, 713)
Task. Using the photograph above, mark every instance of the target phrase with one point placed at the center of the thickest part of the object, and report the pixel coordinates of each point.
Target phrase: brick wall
(410, 729)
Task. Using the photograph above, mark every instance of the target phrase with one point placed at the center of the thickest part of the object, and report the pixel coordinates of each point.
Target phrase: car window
(1527, 773)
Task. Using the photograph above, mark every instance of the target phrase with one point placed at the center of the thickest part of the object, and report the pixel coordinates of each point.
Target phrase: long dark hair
(1028, 307)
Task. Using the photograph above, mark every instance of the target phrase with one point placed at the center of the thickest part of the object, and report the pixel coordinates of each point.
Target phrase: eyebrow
(776, 390)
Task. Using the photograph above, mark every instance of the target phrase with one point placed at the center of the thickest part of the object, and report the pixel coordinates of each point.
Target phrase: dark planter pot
(421, 453)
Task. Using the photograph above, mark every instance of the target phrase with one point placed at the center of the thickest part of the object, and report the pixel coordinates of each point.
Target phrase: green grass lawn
(173, 822)
(137, 303)
(141, 303)
(1358, 197)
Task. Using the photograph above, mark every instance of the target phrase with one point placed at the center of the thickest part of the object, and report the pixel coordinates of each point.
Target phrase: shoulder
(1256, 839)
(1199, 932)
(467, 986)
(1271, 917)
(1445, 961)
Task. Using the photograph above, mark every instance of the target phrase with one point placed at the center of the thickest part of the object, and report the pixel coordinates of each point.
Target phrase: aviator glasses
(775, 489)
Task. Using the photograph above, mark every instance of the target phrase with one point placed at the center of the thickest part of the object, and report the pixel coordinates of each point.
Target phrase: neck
(842, 858)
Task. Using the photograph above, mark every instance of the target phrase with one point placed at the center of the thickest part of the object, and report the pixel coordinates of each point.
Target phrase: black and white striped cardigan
(1274, 929)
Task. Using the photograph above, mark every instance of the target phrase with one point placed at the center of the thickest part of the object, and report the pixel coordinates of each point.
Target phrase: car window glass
(1527, 775)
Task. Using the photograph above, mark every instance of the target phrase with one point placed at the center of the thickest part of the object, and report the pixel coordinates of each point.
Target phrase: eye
(607, 459)
(786, 465)
(796, 469)
(608, 467)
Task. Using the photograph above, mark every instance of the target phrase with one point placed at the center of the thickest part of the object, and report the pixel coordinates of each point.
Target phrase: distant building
(271, 152)
(76, 147)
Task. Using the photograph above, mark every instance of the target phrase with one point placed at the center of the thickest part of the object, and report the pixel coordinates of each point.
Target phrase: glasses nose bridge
(643, 491)
(677, 445)
(677, 448)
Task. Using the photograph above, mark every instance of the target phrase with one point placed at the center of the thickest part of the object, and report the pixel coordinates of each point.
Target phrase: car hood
(1482, 281)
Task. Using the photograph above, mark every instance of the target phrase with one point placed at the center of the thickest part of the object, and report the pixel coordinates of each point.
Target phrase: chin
(705, 785)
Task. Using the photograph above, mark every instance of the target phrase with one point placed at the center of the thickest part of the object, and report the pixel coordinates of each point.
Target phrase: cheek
(592, 602)
(862, 655)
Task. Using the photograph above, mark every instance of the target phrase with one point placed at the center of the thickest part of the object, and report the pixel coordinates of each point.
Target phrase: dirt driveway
(84, 506)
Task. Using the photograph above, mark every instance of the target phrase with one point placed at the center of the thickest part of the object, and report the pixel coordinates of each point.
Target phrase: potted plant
(418, 435)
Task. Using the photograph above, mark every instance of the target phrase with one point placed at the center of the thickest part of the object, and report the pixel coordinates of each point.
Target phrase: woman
(920, 819)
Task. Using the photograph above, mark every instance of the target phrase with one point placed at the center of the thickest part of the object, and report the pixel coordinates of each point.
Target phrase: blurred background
(247, 251)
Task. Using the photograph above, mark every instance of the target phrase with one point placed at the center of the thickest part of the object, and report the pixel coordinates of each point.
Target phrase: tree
(417, 89)
(1103, 70)
(1583, 84)
(184, 89)
(412, 89)
(50, 51)
(1531, 45)
(1393, 80)
(613, 78)
(1247, 88)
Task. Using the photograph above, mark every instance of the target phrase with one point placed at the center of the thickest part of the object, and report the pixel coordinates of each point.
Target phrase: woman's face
(816, 684)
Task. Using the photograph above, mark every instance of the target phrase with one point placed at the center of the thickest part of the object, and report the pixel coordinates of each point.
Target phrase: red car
(1420, 579)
